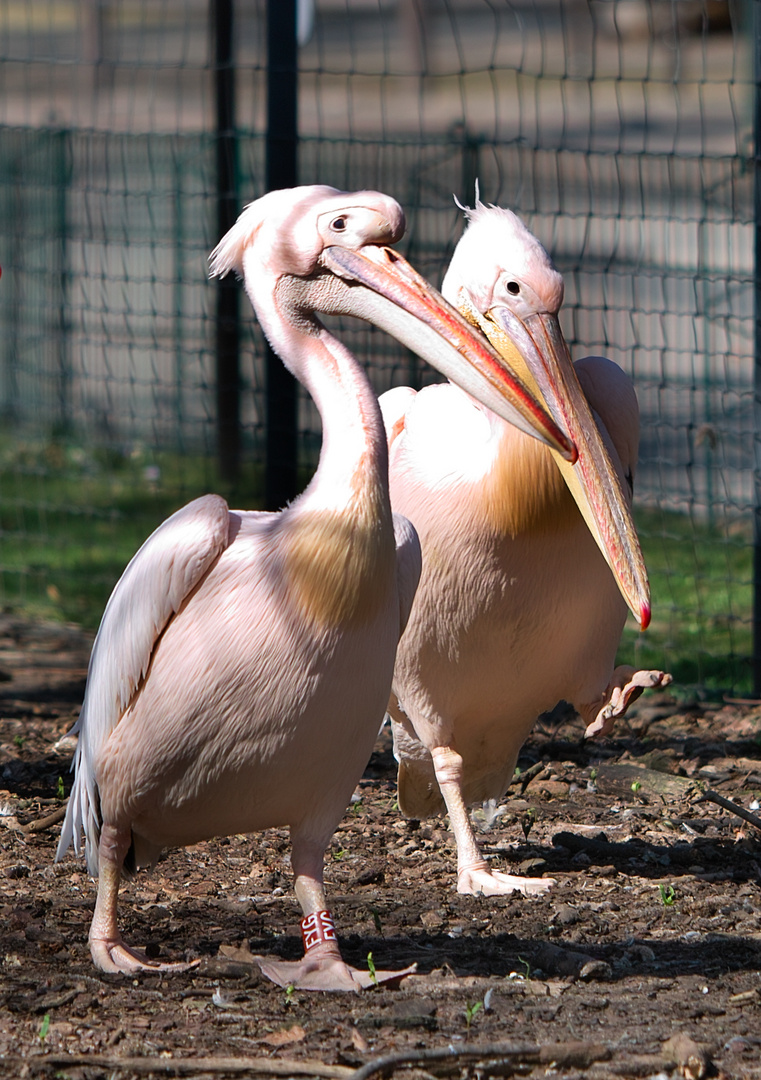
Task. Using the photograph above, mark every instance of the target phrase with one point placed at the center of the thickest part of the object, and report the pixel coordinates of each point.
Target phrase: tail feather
(82, 816)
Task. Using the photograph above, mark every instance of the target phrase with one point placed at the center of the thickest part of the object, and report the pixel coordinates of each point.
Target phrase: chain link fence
(622, 132)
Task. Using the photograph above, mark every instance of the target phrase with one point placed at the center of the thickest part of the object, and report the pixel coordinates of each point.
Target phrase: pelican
(529, 561)
(244, 660)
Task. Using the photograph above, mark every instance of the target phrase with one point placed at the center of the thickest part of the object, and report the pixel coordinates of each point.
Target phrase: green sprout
(668, 895)
(636, 786)
(470, 1012)
(371, 969)
(377, 920)
(44, 1027)
(289, 993)
(59, 788)
(18, 741)
(528, 821)
(527, 968)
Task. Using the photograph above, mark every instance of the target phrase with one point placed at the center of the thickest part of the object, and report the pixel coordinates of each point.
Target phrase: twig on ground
(569, 1054)
(727, 804)
(524, 778)
(249, 1066)
(42, 823)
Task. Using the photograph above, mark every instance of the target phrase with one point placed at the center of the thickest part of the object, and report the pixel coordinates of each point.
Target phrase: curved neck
(341, 563)
(352, 475)
(353, 466)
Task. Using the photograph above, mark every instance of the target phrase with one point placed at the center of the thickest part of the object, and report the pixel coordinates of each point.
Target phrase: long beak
(537, 348)
(379, 285)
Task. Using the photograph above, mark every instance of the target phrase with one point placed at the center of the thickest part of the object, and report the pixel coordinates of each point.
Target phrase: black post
(282, 172)
(755, 30)
(63, 177)
(228, 289)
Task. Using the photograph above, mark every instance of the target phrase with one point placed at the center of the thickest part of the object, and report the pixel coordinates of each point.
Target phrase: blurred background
(622, 131)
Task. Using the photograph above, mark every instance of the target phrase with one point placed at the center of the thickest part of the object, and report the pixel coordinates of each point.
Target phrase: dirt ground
(652, 930)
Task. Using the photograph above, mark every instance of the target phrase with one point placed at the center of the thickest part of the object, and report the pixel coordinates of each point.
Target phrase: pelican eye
(513, 288)
(338, 224)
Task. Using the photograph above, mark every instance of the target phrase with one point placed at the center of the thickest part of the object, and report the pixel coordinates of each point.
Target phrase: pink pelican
(517, 607)
(244, 660)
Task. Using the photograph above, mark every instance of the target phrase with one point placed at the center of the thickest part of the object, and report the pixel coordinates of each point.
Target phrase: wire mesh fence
(621, 131)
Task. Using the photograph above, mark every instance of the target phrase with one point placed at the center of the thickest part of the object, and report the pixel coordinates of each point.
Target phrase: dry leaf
(359, 1042)
(285, 1036)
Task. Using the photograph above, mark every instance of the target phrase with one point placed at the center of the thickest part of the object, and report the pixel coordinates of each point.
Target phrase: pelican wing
(151, 590)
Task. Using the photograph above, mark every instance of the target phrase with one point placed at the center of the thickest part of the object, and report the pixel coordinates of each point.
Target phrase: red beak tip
(644, 617)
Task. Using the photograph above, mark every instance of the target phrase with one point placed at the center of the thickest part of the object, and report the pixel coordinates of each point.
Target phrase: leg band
(316, 928)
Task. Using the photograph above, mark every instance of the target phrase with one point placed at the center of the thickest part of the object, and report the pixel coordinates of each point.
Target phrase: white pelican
(244, 660)
(516, 607)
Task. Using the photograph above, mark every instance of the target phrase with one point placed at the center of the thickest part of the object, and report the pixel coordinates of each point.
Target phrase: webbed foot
(625, 687)
(325, 969)
(482, 881)
(114, 955)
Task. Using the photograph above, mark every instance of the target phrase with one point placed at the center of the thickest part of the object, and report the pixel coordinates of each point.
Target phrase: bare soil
(652, 930)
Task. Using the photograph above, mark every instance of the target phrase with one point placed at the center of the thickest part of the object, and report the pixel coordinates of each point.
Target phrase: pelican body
(529, 561)
(244, 660)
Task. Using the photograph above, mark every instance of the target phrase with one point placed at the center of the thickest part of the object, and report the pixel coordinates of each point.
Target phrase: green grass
(700, 577)
(71, 519)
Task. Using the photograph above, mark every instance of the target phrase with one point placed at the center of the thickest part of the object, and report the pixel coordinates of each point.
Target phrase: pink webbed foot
(322, 967)
(115, 956)
(625, 687)
(480, 880)
(325, 969)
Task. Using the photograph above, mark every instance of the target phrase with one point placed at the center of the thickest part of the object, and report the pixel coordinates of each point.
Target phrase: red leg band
(316, 928)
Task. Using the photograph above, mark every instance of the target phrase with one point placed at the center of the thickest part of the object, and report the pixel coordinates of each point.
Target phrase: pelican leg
(107, 948)
(625, 686)
(474, 876)
(322, 966)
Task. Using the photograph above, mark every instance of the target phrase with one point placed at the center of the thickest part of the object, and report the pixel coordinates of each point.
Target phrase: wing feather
(151, 590)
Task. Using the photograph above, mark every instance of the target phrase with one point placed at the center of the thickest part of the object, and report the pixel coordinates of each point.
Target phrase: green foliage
(701, 583)
(526, 967)
(470, 1012)
(372, 969)
(667, 895)
(71, 517)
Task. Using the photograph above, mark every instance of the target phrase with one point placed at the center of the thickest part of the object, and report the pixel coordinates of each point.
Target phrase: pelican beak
(377, 284)
(536, 347)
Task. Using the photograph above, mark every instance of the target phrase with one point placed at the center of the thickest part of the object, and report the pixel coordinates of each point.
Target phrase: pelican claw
(480, 882)
(625, 687)
(115, 956)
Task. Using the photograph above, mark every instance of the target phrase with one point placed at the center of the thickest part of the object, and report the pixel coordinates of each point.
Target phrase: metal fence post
(61, 147)
(282, 172)
(228, 290)
(755, 30)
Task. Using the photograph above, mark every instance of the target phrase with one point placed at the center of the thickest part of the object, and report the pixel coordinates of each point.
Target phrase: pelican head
(504, 282)
(315, 249)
